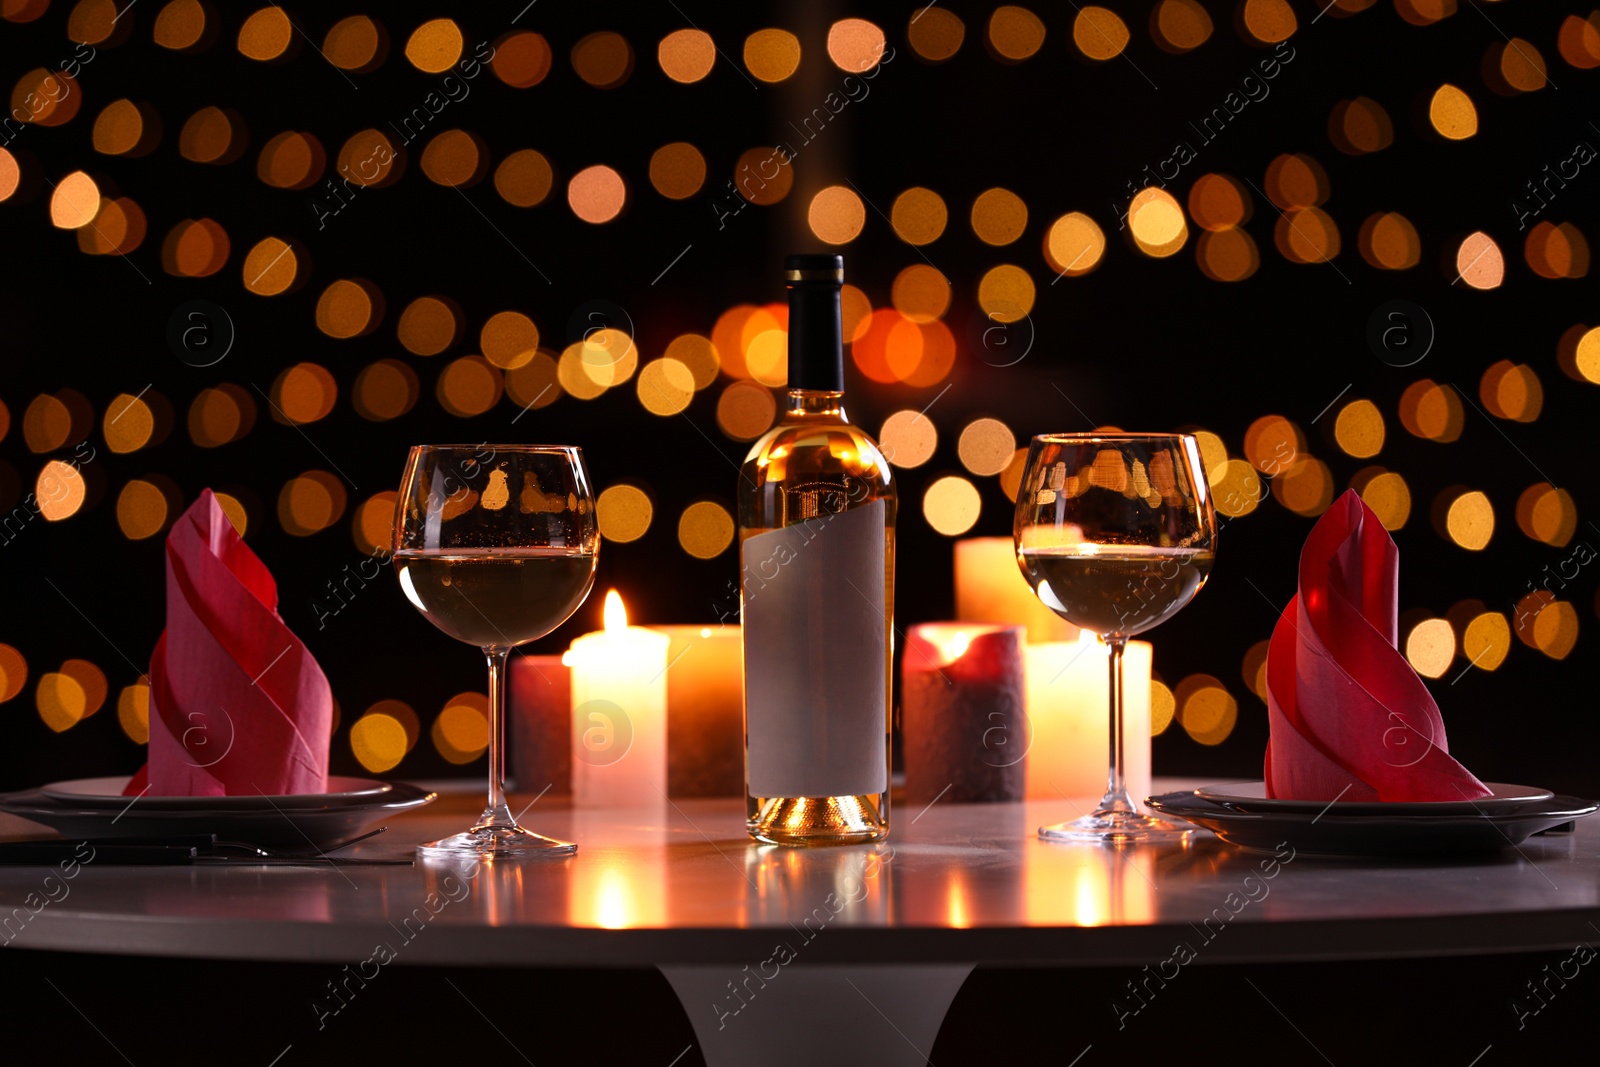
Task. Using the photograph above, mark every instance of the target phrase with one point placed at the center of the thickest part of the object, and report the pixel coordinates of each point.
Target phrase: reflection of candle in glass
(1069, 712)
(705, 711)
(961, 704)
(619, 713)
(991, 588)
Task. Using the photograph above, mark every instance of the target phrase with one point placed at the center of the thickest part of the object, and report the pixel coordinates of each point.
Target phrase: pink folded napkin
(237, 705)
(1349, 718)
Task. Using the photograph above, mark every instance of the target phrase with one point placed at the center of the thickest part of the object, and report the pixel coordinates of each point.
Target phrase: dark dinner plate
(1252, 797)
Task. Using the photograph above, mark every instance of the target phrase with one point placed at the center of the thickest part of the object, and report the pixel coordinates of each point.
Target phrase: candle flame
(952, 646)
(616, 615)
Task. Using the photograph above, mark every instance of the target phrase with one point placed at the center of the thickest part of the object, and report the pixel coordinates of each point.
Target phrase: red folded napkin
(237, 705)
(1349, 718)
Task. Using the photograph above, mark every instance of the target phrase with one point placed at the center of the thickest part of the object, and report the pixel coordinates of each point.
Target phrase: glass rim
(497, 448)
(1091, 436)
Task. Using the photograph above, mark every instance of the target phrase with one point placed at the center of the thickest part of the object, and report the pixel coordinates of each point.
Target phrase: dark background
(1140, 343)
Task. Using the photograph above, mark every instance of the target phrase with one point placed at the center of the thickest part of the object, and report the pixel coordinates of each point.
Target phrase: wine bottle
(816, 546)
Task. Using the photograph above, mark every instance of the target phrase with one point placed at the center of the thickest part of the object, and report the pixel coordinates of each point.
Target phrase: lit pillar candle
(705, 711)
(619, 713)
(991, 588)
(541, 724)
(1069, 712)
(961, 706)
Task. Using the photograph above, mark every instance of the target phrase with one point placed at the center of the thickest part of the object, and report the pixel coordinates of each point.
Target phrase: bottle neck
(824, 405)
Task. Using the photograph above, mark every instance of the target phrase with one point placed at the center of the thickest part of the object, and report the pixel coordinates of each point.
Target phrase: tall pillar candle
(990, 588)
(541, 724)
(1069, 711)
(705, 711)
(619, 713)
(962, 717)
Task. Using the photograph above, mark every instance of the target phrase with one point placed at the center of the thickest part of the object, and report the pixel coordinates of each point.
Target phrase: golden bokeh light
(141, 510)
(1163, 707)
(1469, 520)
(304, 392)
(665, 386)
(1254, 669)
(951, 505)
(1547, 514)
(208, 137)
(999, 216)
(766, 352)
(1452, 114)
(370, 160)
(1388, 241)
(46, 424)
(986, 446)
(45, 97)
(772, 55)
(1156, 222)
(700, 356)
(1579, 41)
(705, 529)
(454, 157)
(461, 732)
(1487, 640)
(345, 308)
(855, 45)
(763, 175)
(1238, 491)
(1015, 33)
(434, 46)
(310, 503)
(918, 216)
(509, 339)
(1555, 629)
(522, 59)
(1358, 428)
(1389, 497)
(10, 174)
(1522, 67)
(220, 416)
(291, 160)
(1074, 244)
(1006, 293)
(265, 34)
(921, 293)
(13, 672)
(1479, 262)
(524, 178)
(1424, 12)
(1206, 710)
(624, 512)
(61, 701)
(576, 377)
(936, 34)
(118, 128)
(468, 386)
(1011, 476)
(1307, 235)
(603, 60)
(1099, 33)
(133, 711)
(836, 215)
(385, 390)
(908, 439)
(1180, 25)
(195, 248)
(90, 22)
(1272, 442)
(745, 410)
(378, 741)
(677, 170)
(855, 308)
(59, 490)
(1585, 359)
(1430, 646)
(1218, 202)
(234, 510)
(129, 423)
(1360, 126)
(1305, 487)
(1432, 411)
(686, 56)
(74, 202)
(270, 267)
(353, 44)
(1557, 251)
(596, 194)
(428, 326)
(179, 24)
(1269, 21)
(1227, 255)
(1512, 391)
(372, 529)
(118, 228)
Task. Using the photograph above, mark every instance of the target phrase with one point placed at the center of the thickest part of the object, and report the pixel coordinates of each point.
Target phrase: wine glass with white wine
(1115, 532)
(496, 545)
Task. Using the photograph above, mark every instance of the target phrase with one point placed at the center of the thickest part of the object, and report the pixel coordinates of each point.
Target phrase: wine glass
(1115, 532)
(496, 545)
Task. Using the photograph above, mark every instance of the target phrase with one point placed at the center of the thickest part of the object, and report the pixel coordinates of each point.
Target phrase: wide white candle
(619, 713)
(991, 588)
(1069, 713)
(705, 711)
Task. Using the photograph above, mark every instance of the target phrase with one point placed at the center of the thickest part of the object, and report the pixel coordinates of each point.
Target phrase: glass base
(497, 842)
(1118, 828)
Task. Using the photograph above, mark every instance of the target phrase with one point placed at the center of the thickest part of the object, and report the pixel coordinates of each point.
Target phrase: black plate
(1252, 797)
(1373, 835)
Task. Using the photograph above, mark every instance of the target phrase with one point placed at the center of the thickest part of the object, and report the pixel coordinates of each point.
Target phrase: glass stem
(497, 814)
(1116, 798)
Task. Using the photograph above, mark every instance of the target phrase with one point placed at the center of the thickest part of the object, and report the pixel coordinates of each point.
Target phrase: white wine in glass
(1115, 533)
(496, 545)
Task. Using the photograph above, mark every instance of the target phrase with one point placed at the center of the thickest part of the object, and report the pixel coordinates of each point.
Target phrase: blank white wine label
(815, 675)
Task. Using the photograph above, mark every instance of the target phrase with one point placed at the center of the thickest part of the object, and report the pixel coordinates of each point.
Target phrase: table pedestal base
(809, 1015)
